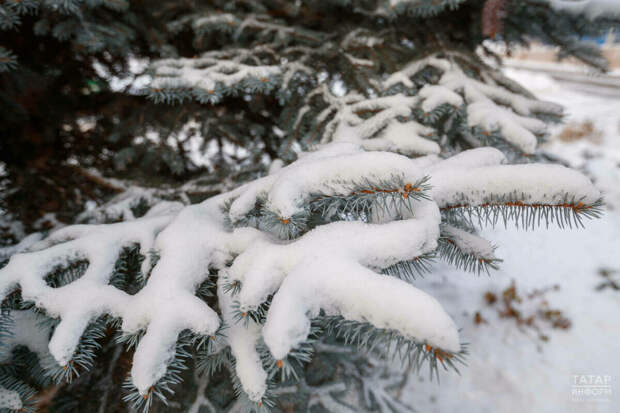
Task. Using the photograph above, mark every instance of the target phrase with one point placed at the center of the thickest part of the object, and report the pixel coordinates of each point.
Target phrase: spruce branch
(408, 270)
(83, 357)
(208, 363)
(391, 344)
(511, 208)
(466, 250)
(163, 389)
(422, 8)
(368, 212)
(8, 60)
(291, 367)
(371, 195)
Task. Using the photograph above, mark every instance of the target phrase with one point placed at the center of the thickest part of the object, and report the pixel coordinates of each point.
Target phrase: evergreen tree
(348, 145)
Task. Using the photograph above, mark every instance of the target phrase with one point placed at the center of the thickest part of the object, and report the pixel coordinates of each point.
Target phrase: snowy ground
(509, 368)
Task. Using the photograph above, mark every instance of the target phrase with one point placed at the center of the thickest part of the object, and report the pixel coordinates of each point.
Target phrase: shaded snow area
(510, 368)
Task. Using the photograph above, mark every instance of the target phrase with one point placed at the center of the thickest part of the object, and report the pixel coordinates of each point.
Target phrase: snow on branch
(361, 37)
(422, 8)
(326, 172)
(89, 296)
(466, 250)
(336, 267)
(155, 308)
(212, 75)
(261, 25)
(231, 72)
(378, 124)
(407, 112)
(525, 194)
(405, 74)
(243, 339)
(489, 105)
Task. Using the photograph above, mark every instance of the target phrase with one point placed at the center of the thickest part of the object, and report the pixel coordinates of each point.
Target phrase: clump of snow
(347, 124)
(583, 103)
(475, 176)
(212, 19)
(404, 75)
(207, 72)
(358, 294)
(405, 138)
(292, 189)
(120, 206)
(193, 242)
(536, 184)
(469, 243)
(89, 296)
(382, 131)
(263, 267)
(27, 242)
(243, 340)
(436, 95)
(489, 105)
(518, 130)
(483, 110)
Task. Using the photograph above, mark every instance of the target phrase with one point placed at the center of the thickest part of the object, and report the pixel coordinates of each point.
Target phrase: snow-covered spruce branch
(211, 76)
(372, 122)
(333, 267)
(448, 98)
(488, 104)
(414, 113)
(259, 26)
(467, 251)
(420, 8)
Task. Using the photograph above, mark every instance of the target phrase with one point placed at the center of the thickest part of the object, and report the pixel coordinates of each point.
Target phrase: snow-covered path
(510, 369)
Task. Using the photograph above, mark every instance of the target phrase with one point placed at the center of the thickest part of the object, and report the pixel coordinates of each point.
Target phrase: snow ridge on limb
(327, 269)
(89, 296)
(334, 291)
(243, 339)
(474, 186)
(262, 269)
(421, 8)
(290, 189)
(253, 24)
(155, 308)
(487, 102)
(378, 124)
(399, 114)
(209, 77)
